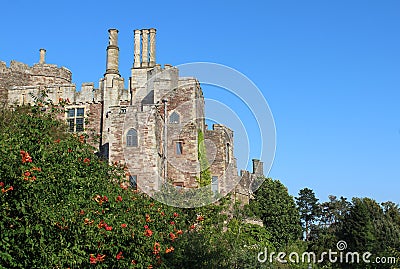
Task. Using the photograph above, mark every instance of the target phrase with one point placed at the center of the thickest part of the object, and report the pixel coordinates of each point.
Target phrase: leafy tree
(309, 209)
(205, 173)
(277, 210)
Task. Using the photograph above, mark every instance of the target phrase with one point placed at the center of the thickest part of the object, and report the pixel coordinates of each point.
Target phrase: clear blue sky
(330, 71)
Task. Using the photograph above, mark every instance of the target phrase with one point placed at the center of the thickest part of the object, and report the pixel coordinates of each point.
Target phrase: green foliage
(278, 211)
(309, 209)
(205, 174)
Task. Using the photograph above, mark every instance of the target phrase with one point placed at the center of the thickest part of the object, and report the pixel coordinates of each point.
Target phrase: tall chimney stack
(112, 52)
(145, 48)
(42, 56)
(152, 47)
(136, 49)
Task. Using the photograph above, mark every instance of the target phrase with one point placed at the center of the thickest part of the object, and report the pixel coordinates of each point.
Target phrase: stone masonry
(152, 126)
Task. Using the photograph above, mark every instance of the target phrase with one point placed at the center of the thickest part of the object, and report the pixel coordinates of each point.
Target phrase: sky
(329, 71)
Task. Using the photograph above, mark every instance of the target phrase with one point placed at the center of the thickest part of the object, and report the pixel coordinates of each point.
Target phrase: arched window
(174, 118)
(132, 138)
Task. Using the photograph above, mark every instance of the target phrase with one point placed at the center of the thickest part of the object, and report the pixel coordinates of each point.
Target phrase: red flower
(192, 227)
(148, 232)
(27, 173)
(108, 228)
(123, 225)
(172, 236)
(172, 223)
(69, 150)
(119, 256)
(82, 212)
(1, 184)
(133, 262)
(156, 248)
(170, 249)
(92, 259)
(6, 190)
(200, 218)
(25, 157)
(146, 227)
(119, 198)
(86, 160)
(176, 214)
(100, 257)
(148, 218)
(179, 232)
(57, 141)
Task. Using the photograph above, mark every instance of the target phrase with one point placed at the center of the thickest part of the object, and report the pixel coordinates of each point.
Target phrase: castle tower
(111, 86)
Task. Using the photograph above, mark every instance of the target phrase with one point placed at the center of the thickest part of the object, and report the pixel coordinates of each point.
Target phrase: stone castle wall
(111, 111)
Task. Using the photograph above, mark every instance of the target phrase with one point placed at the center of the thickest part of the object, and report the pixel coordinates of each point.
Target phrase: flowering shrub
(62, 207)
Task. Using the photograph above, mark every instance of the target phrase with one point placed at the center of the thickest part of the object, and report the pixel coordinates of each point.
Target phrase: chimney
(152, 47)
(145, 48)
(112, 52)
(136, 49)
(42, 56)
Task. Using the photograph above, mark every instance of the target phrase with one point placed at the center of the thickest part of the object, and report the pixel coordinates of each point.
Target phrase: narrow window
(132, 138)
(227, 152)
(214, 184)
(174, 118)
(133, 182)
(179, 147)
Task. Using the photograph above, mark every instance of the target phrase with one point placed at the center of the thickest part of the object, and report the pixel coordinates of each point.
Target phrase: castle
(156, 126)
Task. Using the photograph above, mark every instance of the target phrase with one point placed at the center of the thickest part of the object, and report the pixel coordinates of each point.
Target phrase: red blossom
(148, 218)
(25, 157)
(176, 214)
(123, 225)
(172, 236)
(170, 249)
(156, 248)
(6, 190)
(82, 212)
(27, 173)
(108, 228)
(172, 222)
(148, 232)
(119, 256)
(200, 218)
(57, 141)
(119, 198)
(1, 184)
(86, 160)
(179, 232)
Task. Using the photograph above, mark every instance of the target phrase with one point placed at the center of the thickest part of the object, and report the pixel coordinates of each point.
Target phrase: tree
(277, 210)
(309, 209)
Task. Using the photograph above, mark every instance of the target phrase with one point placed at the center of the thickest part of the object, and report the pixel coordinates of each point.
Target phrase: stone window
(227, 152)
(133, 181)
(179, 147)
(76, 119)
(174, 118)
(178, 185)
(214, 184)
(132, 138)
